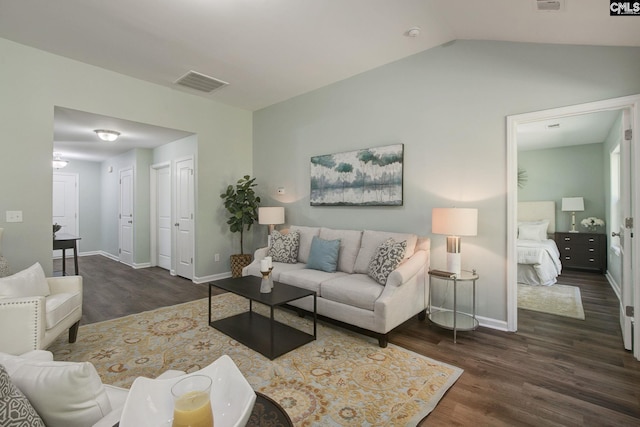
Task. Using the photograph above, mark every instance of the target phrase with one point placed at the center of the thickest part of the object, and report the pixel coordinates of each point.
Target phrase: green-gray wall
(447, 106)
(575, 171)
(34, 82)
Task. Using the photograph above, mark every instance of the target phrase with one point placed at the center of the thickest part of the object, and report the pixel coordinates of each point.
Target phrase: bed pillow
(534, 230)
(30, 282)
(323, 255)
(15, 409)
(284, 247)
(386, 259)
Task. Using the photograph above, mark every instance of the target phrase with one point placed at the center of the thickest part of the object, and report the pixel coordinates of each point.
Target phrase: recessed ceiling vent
(200, 82)
(550, 5)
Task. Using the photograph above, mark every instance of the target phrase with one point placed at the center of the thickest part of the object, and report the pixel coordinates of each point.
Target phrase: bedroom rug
(341, 379)
(562, 300)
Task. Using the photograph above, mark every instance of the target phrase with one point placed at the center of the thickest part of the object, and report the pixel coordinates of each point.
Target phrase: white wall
(447, 106)
(32, 82)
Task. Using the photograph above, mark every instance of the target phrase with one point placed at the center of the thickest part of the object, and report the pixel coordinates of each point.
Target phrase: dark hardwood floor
(555, 371)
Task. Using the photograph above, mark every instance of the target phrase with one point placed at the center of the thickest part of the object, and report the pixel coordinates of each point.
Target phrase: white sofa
(63, 394)
(350, 295)
(35, 310)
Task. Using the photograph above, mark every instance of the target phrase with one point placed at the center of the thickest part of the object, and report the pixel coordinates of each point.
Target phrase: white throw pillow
(65, 394)
(27, 283)
(534, 230)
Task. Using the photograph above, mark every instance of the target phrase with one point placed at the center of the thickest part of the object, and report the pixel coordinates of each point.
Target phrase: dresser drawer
(580, 239)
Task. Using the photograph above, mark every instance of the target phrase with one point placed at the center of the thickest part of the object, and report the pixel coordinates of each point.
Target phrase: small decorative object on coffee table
(453, 319)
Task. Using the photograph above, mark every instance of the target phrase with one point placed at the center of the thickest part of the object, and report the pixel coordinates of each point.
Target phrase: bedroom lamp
(271, 216)
(454, 222)
(573, 205)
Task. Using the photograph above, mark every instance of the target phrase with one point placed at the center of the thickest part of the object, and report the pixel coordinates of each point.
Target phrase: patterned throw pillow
(386, 259)
(284, 247)
(15, 409)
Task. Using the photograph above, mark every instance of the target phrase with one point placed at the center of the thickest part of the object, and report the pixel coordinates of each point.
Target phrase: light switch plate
(14, 216)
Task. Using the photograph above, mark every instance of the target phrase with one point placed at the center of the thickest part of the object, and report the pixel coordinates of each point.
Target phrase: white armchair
(35, 310)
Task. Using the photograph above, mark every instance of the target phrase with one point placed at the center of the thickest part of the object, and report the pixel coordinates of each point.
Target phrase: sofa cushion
(358, 290)
(349, 246)
(387, 257)
(253, 269)
(324, 254)
(306, 236)
(15, 409)
(59, 306)
(65, 394)
(29, 282)
(284, 247)
(308, 278)
(370, 242)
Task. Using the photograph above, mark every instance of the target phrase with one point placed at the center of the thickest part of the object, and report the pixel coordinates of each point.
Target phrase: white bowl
(150, 404)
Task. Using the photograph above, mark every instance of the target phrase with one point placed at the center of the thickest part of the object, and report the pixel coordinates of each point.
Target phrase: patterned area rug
(341, 379)
(562, 300)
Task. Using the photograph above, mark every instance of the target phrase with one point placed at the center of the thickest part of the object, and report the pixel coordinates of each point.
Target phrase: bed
(538, 256)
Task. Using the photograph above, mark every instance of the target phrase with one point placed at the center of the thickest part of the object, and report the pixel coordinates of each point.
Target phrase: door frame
(632, 103)
(153, 190)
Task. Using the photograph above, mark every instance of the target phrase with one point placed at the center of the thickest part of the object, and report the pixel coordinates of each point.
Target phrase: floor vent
(550, 5)
(200, 82)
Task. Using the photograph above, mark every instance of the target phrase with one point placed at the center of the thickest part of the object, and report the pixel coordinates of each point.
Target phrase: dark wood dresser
(583, 251)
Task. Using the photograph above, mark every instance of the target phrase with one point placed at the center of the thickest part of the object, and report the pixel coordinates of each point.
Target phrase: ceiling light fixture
(107, 135)
(57, 162)
(413, 32)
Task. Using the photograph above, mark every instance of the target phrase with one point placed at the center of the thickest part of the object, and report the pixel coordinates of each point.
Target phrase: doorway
(125, 216)
(630, 104)
(65, 204)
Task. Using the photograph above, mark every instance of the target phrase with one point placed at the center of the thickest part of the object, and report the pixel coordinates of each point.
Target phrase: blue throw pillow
(323, 255)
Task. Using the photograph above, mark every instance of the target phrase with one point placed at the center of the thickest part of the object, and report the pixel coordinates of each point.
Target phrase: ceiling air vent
(550, 5)
(200, 82)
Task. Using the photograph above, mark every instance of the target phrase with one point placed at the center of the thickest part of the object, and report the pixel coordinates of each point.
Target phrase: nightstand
(452, 319)
(582, 251)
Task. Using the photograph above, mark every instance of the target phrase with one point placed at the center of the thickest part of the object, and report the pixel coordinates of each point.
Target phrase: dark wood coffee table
(264, 335)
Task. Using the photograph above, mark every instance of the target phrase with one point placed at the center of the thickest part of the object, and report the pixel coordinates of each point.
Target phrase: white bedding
(538, 262)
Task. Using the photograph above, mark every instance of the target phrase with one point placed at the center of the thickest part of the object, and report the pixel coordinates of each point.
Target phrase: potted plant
(242, 203)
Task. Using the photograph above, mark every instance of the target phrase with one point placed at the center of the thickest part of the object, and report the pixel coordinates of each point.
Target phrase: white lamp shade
(454, 221)
(271, 215)
(572, 204)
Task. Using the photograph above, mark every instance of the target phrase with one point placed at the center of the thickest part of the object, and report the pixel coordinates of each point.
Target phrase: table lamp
(271, 216)
(454, 222)
(573, 205)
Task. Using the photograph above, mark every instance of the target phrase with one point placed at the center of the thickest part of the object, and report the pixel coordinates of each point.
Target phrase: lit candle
(264, 265)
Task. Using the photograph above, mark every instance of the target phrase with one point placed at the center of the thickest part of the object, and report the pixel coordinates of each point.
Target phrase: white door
(163, 217)
(65, 204)
(126, 216)
(184, 217)
(625, 233)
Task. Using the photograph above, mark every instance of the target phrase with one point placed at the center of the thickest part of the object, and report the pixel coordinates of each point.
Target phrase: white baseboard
(614, 285)
(500, 325)
(212, 277)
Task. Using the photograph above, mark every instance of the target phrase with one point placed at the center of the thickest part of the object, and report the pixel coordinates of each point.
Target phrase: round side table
(452, 319)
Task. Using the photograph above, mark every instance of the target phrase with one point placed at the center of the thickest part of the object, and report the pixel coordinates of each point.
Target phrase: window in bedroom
(614, 204)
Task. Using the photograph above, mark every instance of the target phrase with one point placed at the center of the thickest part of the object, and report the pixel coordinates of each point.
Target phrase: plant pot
(238, 262)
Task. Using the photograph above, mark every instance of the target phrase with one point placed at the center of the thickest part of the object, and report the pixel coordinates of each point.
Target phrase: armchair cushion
(27, 283)
(15, 409)
(60, 306)
(65, 394)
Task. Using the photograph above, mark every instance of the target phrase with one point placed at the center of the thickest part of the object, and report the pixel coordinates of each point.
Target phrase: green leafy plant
(242, 204)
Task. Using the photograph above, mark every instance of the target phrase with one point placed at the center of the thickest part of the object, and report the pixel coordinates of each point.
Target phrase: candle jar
(265, 285)
(192, 402)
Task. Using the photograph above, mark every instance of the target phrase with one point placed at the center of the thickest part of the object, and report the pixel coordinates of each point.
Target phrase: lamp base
(454, 262)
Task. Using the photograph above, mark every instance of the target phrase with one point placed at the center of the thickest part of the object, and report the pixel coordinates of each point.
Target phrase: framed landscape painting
(369, 177)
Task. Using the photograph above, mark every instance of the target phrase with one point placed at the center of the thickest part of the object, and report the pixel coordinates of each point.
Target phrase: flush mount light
(107, 135)
(57, 162)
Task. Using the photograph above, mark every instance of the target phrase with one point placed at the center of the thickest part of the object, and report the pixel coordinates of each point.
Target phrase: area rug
(341, 379)
(562, 300)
